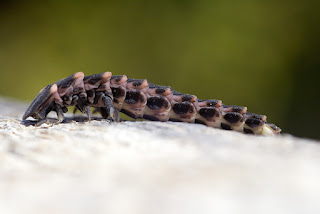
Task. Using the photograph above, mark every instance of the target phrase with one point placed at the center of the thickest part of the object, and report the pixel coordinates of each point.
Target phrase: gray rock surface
(151, 167)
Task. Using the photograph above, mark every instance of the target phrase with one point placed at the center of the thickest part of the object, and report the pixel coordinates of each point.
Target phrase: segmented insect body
(139, 98)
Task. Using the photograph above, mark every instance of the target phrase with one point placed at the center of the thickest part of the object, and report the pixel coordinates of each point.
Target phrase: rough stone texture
(151, 167)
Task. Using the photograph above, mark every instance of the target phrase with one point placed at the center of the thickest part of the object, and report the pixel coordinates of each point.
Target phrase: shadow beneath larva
(53, 121)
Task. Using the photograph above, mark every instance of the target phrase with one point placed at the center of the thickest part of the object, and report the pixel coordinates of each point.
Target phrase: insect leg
(108, 111)
(116, 115)
(80, 102)
(75, 110)
(60, 116)
(83, 109)
(59, 111)
(88, 112)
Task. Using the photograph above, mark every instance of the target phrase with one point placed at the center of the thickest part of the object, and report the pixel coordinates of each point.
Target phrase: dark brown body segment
(42, 100)
(158, 103)
(139, 98)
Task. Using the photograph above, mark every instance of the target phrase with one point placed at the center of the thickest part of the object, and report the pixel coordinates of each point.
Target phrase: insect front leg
(59, 112)
(105, 106)
(60, 116)
(104, 113)
(86, 110)
(80, 102)
(108, 111)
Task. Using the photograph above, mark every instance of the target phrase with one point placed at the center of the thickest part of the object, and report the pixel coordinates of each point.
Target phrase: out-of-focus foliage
(260, 54)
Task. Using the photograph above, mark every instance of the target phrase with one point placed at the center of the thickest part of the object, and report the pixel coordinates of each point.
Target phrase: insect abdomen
(142, 99)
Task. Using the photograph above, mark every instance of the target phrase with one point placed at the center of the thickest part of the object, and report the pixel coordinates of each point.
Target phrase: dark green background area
(261, 54)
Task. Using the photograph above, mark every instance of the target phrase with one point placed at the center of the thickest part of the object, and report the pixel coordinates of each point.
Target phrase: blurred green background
(261, 54)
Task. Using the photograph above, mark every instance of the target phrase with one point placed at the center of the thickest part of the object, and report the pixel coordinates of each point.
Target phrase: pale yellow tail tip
(266, 131)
